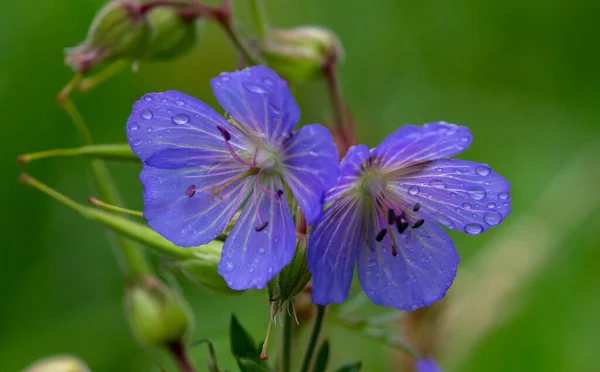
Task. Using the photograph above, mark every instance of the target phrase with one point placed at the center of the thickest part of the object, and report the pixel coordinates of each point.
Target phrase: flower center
(373, 183)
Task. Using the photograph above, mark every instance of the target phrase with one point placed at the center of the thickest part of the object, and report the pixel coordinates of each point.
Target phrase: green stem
(88, 83)
(286, 343)
(236, 39)
(135, 262)
(113, 208)
(259, 13)
(111, 151)
(314, 338)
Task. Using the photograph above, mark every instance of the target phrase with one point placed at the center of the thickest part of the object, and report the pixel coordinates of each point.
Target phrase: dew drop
(467, 206)
(146, 114)
(445, 221)
(453, 195)
(491, 205)
(483, 170)
(437, 183)
(149, 129)
(148, 98)
(261, 250)
(413, 190)
(224, 76)
(274, 109)
(505, 204)
(164, 100)
(492, 218)
(180, 119)
(229, 266)
(179, 102)
(439, 169)
(134, 126)
(464, 139)
(473, 228)
(137, 143)
(503, 195)
(457, 209)
(268, 82)
(255, 88)
(476, 193)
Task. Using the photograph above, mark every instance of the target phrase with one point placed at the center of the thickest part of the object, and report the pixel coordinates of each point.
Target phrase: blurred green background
(523, 75)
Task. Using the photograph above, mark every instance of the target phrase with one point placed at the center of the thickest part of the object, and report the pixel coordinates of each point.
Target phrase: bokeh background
(523, 75)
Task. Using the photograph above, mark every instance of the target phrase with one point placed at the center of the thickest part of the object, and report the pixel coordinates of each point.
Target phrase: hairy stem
(286, 343)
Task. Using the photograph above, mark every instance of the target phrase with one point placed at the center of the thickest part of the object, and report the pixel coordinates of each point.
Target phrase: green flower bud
(62, 363)
(299, 54)
(203, 269)
(159, 316)
(118, 31)
(292, 279)
(171, 34)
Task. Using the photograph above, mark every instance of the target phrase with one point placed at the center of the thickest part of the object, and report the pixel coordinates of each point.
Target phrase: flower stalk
(314, 338)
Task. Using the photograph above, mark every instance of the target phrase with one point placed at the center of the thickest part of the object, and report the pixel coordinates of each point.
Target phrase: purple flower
(383, 215)
(427, 365)
(200, 169)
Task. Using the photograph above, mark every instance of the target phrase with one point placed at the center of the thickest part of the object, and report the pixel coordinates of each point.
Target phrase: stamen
(224, 133)
(394, 250)
(391, 216)
(190, 191)
(401, 224)
(261, 227)
(279, 192)
(416, 207)
(418, 224)
(381, 235)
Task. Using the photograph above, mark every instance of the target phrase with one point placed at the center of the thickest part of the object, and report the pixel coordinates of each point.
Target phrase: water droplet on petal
(224, 76)
(146, 114)
(255, 88)
(476, 193)
(164, 100)
(439, 169)
(179, 102)
(268, 82)
(148, 98)
(503, 195)
(261, 250)
(180, 119)
(464, 139)
(492, 218)
(149, 129)
(274, 109)
(473, 228)
(445, 221)
(491, 205)
(483, 170)
(229, 266)
(134, 126)
(413, 190)
(467, 206)
(437, 183)
(453, 195)
(137, 143)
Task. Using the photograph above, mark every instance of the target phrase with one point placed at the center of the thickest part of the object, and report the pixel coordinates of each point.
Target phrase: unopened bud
(203, 269)
(118, 31)
(291, 280)
(159, 316)
(171, 33)
(62, 363)
(299, 54)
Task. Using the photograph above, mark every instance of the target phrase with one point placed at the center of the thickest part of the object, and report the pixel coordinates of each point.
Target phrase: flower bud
(292, 279)
(62, 363)
(118, 31)
(171, 34)
(299, 54)
(158, 315)
(203, 269)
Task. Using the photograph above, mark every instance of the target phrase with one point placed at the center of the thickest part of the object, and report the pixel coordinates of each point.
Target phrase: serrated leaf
(351, 367)
(322, 357)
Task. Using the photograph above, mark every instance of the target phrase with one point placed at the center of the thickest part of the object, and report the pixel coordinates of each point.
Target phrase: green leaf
(212, 358)
(249, 365)
(322, 357)
(351, 367)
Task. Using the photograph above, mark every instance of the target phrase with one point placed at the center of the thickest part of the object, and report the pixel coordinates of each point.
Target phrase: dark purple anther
(416, 207)
(401, 224)
(418, 223)
(279, 192)
(381, 235)
(261, 227)
(190, 191)
(224, 133)
(391, 216)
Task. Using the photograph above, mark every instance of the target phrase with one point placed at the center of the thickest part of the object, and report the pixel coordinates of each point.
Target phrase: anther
(381, 235)
(224, 133)
(416, 207)
(394, 250)
(279, 192)
(391, 216)
(418, 224)
(261, 227)
(401, 224)
(190, 191)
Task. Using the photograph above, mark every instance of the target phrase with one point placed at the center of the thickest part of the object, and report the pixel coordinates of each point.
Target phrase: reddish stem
(177, 349)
